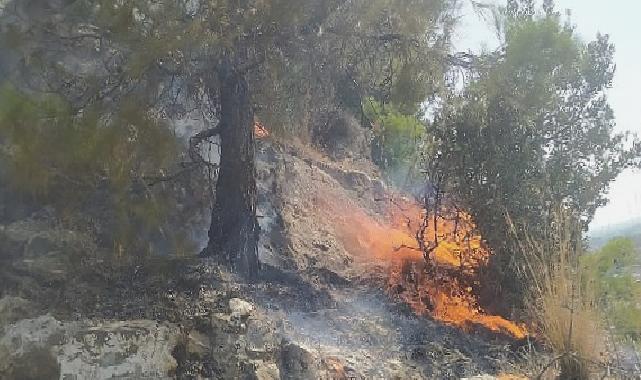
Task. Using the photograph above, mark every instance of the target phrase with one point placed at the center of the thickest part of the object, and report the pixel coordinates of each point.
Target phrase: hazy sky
(619, 19)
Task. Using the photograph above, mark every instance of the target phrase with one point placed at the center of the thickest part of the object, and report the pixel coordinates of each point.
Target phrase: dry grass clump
(560, 302)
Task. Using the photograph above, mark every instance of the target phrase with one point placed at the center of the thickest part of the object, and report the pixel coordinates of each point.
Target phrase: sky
(620, 20)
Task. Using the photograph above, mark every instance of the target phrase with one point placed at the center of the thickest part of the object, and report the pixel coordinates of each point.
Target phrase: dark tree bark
(233, 235)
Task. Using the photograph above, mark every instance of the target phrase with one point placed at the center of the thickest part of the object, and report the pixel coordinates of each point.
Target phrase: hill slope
(322, 308)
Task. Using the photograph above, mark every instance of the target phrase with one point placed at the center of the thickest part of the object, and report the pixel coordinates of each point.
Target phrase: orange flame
(442, 289)
(260, 131)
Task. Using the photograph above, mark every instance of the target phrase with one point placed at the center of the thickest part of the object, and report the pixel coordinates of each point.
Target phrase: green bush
(398, 138)
(89, 165)
(619, 294)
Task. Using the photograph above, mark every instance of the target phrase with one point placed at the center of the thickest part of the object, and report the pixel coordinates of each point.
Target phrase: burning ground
(345, 293)
(441, 287)
(360, 290)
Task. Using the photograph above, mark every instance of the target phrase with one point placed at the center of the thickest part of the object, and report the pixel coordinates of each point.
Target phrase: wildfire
(260, 131)
(441, 287)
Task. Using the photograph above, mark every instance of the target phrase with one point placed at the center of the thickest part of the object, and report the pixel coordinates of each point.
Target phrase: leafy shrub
(507, 142)
(89, 166)
(399, 139)
(618, 293)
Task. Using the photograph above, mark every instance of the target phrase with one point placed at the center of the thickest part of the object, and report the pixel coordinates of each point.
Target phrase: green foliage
(532, 131)
(618, 293)
(399, 138)
(89, 163)
(121, 61)
(618, 253)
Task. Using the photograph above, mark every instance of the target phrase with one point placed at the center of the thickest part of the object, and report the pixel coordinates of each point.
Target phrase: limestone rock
(297, 363)
(261, 337)
(88, 350)
(240, 308)
(120, 349)
(30, 341)
(266, 371)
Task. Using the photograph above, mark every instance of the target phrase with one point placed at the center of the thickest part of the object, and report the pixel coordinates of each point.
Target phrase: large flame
(442, 286)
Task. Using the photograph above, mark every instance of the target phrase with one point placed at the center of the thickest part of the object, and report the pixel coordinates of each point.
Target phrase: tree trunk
(233, 234)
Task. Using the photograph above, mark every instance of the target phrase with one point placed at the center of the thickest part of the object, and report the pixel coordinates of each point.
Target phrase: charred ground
(317, 310)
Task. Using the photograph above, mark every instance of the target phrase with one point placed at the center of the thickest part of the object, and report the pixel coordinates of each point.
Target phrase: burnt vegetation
(152, 129)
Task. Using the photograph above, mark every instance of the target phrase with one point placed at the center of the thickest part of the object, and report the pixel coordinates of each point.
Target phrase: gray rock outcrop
(87, 350)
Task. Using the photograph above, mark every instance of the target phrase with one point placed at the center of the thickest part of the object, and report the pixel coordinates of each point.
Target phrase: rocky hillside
(321, 310)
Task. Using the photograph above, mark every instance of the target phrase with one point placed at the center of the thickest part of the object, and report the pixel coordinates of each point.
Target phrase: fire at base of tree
(224, 165)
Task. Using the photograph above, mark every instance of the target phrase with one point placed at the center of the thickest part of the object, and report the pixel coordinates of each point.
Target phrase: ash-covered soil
(333, 301)
(318, 311)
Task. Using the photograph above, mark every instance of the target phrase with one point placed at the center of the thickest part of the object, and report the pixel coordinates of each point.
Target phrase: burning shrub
(508, 143)
(443, 287)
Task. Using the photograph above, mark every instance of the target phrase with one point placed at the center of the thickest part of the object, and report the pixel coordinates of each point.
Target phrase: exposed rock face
(240, 308)
(13, 309)
(31, 341)
(297, 363)
(88, 350)
(120, 349)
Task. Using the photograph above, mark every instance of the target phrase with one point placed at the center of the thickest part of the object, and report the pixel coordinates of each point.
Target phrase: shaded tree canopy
(297, 60)
(531, 128)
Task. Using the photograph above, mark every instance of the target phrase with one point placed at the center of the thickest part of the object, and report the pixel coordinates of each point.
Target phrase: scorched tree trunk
(233, 234)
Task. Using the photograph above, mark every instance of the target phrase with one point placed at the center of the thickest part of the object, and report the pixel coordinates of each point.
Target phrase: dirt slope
(343, 311)
(320, 310)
